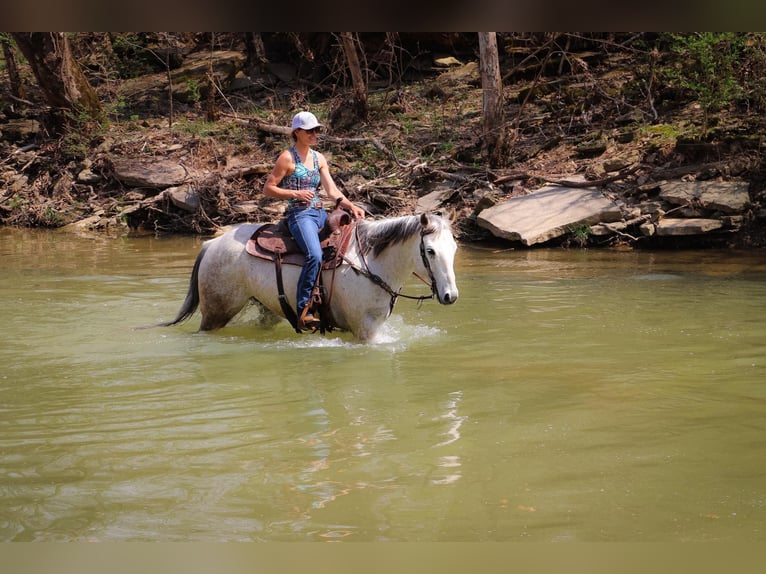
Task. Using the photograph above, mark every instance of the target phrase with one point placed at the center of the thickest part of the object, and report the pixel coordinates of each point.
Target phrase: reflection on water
(452, 434)
(569, 395)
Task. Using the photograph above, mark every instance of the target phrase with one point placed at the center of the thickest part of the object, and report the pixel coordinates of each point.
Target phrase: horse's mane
(376, 236)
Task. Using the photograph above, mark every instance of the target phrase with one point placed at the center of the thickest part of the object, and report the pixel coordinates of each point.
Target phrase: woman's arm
(332, 190)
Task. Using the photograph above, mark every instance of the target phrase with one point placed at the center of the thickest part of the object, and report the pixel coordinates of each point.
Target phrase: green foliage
(579, 233)
(752, 70)
(664, 132)
(17, 201)
(197, 128)
(116, 108)
(231, 133)
(5, 38)
(133, 59)
(664, 136)
(81, 128)
(707, 66)
(193, 91)
(52, 218)
(408, 126)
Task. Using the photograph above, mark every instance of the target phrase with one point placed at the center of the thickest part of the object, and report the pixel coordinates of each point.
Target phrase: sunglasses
(316, 130)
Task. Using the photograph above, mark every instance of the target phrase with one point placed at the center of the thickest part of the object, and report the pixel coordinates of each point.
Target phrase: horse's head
(437, 250)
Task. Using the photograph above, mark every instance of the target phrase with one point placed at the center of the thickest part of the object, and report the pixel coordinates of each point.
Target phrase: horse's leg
(216, 317)
(265, 316)
(369, 325)
(220, 301)
(356, 308)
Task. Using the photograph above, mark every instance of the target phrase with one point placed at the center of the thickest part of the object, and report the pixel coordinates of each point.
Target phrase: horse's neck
(395, 264)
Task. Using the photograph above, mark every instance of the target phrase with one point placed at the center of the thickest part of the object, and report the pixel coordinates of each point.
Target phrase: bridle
(378, 280)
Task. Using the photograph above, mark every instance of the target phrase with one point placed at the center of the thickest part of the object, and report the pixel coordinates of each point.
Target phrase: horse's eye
(430, 252)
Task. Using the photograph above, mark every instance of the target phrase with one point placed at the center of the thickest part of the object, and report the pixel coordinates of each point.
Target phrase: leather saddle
(273, 241)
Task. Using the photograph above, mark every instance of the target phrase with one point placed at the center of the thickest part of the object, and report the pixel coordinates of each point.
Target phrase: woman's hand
(357, 212)
(303, 195)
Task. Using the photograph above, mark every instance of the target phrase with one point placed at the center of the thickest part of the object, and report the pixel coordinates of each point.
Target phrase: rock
(88, 223)
(429, 202)
(19, 184)
(284, 71)
(591, 147)
(724, 196)
(241, 82)
(618, 163)
(633, 117)
(696, 226)
(466, 73)
(650, 207)
(547, 213)
(183, 197)
(149, 173)
(487, 198)
(600, 230)
(246, 207)
(625, 135)
(63, 186)
(135, 195)
(732, 221)
(20, 130)
(87, 176)
(434, 200)
(447, 62)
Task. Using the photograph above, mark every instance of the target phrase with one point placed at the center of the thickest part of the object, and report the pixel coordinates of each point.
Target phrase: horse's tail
(191, 302)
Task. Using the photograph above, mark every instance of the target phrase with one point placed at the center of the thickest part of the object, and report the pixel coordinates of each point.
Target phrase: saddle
(274, 242)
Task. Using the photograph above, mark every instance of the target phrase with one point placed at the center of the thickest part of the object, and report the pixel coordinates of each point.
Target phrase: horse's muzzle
(448, 298)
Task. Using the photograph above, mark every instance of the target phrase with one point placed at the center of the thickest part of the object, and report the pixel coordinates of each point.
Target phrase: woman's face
(307, 136)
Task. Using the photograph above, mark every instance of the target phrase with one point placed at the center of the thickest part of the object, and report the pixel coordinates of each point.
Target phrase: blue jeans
(304, 225)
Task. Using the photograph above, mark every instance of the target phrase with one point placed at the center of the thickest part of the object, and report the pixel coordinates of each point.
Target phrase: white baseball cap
(305, 121)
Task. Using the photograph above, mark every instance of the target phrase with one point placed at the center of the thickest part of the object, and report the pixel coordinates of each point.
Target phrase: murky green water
(568, 395)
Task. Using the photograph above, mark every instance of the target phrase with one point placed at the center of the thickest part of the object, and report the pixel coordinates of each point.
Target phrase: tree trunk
(211, 112)
(17, 88)
(256, 51)
(494, 145)
(359, 100)
(57, 72)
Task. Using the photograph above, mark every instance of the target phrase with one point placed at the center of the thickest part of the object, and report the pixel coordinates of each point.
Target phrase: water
(568, 395)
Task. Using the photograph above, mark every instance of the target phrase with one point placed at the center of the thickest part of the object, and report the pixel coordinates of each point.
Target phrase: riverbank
(419, 149)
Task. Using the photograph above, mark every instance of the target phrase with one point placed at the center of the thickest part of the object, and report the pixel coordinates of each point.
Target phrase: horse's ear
(447, 213)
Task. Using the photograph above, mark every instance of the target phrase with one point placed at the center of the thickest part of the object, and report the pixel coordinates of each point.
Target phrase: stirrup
(307, 320)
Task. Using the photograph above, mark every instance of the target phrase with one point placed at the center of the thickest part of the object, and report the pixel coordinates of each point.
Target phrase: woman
(296, 176)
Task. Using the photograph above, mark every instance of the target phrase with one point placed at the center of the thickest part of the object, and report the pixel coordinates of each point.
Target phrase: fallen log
(595, 182)
(281, 130)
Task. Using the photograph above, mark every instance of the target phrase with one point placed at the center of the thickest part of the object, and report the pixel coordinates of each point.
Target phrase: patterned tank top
(303, 178)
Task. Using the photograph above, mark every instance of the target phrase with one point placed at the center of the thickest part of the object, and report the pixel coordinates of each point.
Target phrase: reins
(378, 280)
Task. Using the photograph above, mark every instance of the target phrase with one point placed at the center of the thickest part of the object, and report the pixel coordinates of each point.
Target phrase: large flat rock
(725, 196)
(692, 226)
(547, 213)
(223, 64)
(159, 173)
